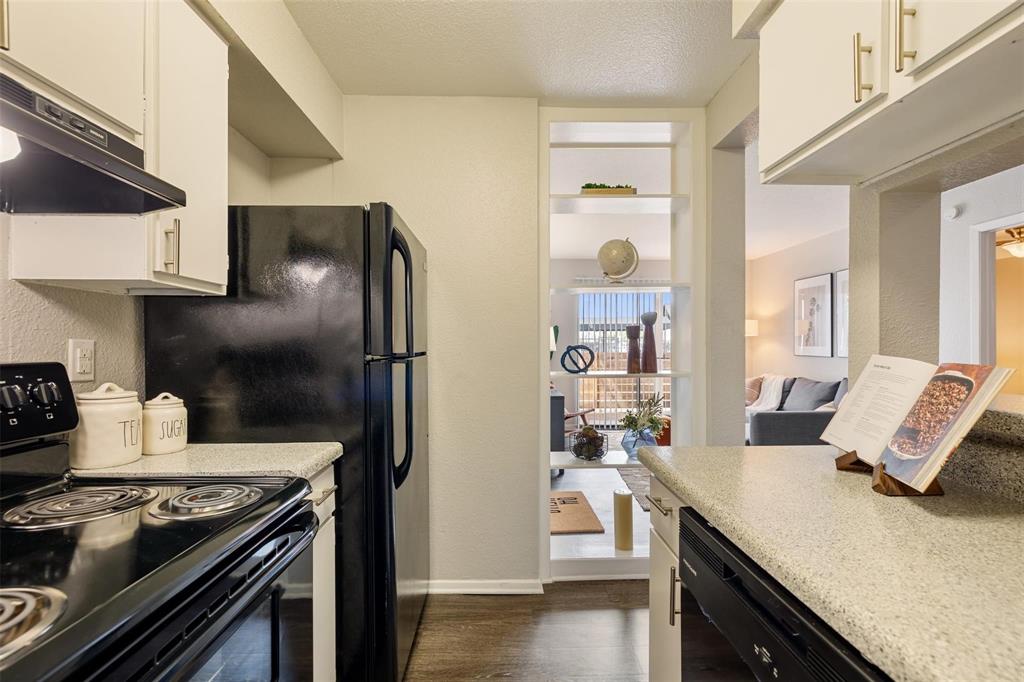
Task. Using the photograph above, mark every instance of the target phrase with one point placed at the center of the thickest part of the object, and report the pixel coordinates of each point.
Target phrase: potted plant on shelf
(642, 425)
(601, 188)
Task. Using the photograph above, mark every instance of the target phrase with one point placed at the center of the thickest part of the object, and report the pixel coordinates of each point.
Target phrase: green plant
(601, 185)
(646, 416)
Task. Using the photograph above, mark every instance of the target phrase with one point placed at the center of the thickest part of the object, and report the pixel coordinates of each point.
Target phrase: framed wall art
(812, 316)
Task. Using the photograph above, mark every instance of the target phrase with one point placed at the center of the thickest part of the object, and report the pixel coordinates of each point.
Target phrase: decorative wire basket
(589, 446)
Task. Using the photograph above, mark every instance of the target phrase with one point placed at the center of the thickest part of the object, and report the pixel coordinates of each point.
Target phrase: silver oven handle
(324, 495)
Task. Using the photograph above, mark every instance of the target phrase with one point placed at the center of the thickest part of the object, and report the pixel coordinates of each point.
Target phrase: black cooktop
(103, 571)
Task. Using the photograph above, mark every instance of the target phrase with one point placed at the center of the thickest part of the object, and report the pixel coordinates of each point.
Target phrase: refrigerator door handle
(399, 244)
(401, 471)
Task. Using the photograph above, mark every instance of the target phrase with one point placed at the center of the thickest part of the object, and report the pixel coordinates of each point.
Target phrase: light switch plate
(82, 359)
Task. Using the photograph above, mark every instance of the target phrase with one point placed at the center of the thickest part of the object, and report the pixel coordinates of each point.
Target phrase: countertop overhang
(304, 460)
(927, 588)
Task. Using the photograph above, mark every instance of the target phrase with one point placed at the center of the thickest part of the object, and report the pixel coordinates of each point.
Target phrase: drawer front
(665, 523)
(323, 495)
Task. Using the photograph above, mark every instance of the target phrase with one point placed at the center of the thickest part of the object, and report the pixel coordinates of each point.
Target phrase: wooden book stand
(882, 482)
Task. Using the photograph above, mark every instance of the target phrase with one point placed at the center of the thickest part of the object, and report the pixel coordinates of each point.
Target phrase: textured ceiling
(600, 53)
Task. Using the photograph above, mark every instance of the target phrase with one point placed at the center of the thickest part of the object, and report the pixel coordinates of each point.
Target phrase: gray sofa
(797, 421)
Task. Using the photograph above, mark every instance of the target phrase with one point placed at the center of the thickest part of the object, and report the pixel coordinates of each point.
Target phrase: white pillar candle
(623, 520)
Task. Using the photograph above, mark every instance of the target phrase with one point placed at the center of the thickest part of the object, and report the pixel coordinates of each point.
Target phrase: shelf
(611, 204)
(615, 459)
(612, 145)
(624, 288)
(619, 374)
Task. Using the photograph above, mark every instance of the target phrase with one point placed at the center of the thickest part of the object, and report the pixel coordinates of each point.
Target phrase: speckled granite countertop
(230, 459)
(928, 588)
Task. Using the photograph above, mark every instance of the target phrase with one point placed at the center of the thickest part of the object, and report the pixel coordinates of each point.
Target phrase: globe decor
(618, 259)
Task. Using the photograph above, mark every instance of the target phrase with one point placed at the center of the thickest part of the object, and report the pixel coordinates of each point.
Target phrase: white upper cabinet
(813, 76)
(931, 28)
(92, 49)
(938, 71)
(191, 148)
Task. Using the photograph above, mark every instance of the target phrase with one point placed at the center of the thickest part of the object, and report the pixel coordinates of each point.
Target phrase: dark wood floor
(574, 631)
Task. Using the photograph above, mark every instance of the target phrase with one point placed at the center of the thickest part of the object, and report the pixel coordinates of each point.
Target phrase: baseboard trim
(612, 568)
(527, 586)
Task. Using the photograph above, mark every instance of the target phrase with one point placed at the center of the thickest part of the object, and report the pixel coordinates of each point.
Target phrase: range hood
(54, 161)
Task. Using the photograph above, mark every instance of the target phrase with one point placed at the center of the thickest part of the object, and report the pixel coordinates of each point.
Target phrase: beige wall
(1010, 320)
(731, 124)
(771, 304)
(38, 320)
(462, 172)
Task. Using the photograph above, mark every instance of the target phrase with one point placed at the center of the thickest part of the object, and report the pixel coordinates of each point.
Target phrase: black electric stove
(127, 578)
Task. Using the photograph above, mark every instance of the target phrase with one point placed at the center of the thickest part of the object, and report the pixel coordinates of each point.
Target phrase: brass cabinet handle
(324, 495)
(858, 85)
(901, 52)
(672, 612)
(172, 247)
(5, 26)
(656, 503)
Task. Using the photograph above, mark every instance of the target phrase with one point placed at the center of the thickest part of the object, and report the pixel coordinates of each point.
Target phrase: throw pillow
(753, 389)
(827, 407)
(807, 395)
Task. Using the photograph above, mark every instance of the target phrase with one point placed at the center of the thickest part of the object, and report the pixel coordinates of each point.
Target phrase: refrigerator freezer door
(411, 504)
(398, 292)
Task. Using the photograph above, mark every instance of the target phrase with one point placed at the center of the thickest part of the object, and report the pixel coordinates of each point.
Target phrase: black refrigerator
(322, 337)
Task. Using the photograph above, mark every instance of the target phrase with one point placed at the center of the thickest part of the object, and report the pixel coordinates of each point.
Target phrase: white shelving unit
(613, 374)
(617, 204)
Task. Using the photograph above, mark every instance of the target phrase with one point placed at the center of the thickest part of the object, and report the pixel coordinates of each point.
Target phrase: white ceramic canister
(109, 428)
(164, 425)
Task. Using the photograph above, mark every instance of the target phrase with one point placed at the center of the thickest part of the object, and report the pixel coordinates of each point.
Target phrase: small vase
(633, 441)
(633, 349)
(649, 357)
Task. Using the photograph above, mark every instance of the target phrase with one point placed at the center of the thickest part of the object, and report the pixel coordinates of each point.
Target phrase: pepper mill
(649, 358)
(633, 350)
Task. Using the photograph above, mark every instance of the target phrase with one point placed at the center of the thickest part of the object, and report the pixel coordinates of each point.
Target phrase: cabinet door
(324, 606)
(192, 143)
(93, 49)
(810, 67)
(665, 641)
(938, 26)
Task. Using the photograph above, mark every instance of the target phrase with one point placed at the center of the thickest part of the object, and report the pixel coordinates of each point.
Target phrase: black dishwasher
(776, 636)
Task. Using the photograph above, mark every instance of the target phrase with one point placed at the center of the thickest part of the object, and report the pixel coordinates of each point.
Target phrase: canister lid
(107, 391)
(165, 399)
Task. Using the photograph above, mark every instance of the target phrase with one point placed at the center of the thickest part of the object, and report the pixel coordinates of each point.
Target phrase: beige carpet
(571, 513)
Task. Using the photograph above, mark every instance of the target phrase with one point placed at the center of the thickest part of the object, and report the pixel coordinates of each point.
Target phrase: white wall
(987, 199)
(770, 302)
(36, 322)
(462, 172)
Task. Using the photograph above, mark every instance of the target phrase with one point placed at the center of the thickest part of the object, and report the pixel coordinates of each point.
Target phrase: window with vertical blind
(601, 324)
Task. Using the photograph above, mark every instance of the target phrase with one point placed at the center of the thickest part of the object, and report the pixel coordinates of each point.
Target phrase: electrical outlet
(82, 359)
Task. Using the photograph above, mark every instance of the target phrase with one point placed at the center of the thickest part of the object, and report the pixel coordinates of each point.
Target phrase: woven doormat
(571, 513)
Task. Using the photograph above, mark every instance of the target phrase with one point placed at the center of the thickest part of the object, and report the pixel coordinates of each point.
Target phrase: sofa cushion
(844, 388)
(787, 386)
(752, 389)
(806, 395)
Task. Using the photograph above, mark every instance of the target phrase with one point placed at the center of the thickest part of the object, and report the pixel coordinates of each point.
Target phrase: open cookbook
(910, 416)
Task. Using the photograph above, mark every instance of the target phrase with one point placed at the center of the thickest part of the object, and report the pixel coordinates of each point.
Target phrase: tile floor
(598, 485)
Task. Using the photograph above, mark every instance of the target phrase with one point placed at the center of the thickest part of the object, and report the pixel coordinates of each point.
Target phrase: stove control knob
(12, 396)
(47, 392)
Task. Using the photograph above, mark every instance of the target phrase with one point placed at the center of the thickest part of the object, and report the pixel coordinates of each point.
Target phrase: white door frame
(982, 284)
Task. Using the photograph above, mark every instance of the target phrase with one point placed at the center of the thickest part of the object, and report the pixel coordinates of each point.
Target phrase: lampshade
(1015, 249)
(750, 328)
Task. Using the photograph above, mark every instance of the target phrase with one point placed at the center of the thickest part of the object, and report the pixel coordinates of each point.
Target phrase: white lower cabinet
(324, 611)
(665, 652)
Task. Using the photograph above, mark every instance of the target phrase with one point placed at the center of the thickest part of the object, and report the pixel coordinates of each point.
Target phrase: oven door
(271, 639)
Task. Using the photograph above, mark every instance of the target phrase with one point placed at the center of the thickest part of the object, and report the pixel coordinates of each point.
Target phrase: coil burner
(78, 506)
(207, 501)
(25, 614)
